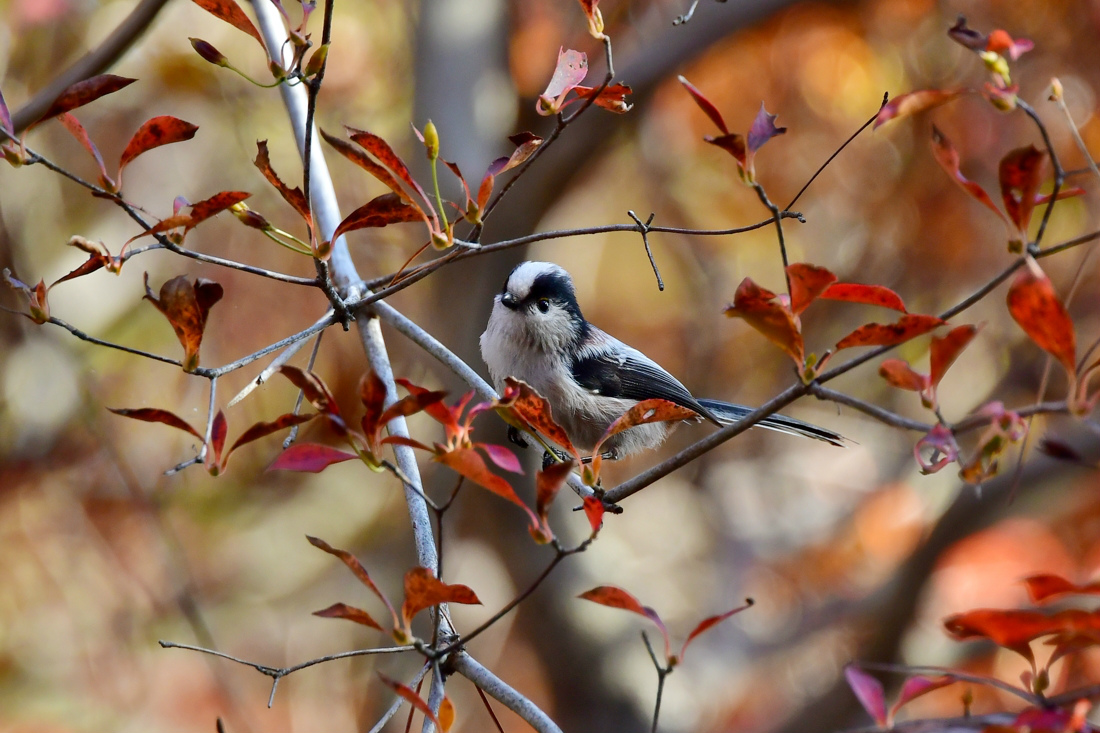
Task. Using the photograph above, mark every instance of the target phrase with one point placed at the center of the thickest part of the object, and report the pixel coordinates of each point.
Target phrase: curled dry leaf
(936, 449)
(186, 305)
(292, 196)
(612, 97)
(38, 308)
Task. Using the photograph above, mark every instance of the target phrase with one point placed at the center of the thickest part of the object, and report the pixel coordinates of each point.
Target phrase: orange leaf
(313, 389)
(351, 613)
(548, 482)
(357, 568)
(865, 294)
(1040, 312)
(186, 306)
(594, 510)
(446, 714)
(522, 403)
(424, 590)
(595, 18)
(898, 373)
(1043, 588)
(643, 413)
(381, 150)
(83, 92)
(875, 334)
(945, 349)
(808, 282)
(406, 692)
(612, 97)
(912, 103)
(158, 131)
(612, 597)
(948, 158)
(763, 311)
(361, 159)
(212, 206)
(469, 463)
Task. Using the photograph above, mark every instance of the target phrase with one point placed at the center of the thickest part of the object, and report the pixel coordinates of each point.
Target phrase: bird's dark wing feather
(630, 375)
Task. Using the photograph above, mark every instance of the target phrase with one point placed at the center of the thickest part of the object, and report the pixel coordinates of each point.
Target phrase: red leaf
(214, 205)
(705, 104)
(424, 590)
(948, 158)
(158, 131)
(866, 294)
(1064, 193)
(612, 597)
(1016, 629)
(218, 430)
(710, 622)
(524, 408)
(186, 305)
(351, 613)
(501, 456)
(763, 129)
(1001, 43)
(914, 687)
(594, 510)
(734, 144)
(941, 449)
(407, 693)
(548, 482)
(876, 334)
(410, 405)
(309, 458)
(1040, 312)
(292, 196)
(358, 570)
(83, 92)
(570, 71)
(5, 118)
(150, 414)
(914, 102)
(1019, 176)
(361, 159)
(381, 150)
(868, 691)
(612, 97)
(469, 463)
(901, 375)
(808, 282)
(231, 13)
(313, 389)
(763, 311)
(945, 349)
(263, 429)
(378, 212)
(77, 130)
(1043, 588)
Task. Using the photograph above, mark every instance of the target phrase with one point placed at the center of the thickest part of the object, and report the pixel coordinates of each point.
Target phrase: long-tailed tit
(537, 333)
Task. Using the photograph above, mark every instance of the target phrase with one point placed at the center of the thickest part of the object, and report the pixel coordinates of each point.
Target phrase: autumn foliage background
(849, 554)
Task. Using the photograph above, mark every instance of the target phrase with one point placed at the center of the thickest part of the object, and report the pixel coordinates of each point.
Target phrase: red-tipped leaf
(151, 414)
(309, 458)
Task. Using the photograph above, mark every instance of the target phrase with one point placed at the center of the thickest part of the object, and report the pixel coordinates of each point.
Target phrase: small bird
(537, 333)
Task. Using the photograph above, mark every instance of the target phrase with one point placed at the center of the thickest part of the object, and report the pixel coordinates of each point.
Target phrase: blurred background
(849, 554)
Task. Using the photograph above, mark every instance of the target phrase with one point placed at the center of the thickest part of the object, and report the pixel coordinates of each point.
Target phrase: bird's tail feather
(729, 413)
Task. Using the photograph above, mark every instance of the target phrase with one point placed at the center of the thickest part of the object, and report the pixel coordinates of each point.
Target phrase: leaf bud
(208, 52)
(1055, 90)
(431, 140)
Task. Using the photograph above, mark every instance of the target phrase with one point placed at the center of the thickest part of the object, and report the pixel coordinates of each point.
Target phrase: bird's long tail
(729, 413)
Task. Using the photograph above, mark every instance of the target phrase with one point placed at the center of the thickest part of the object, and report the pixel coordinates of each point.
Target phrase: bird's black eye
(543, 305)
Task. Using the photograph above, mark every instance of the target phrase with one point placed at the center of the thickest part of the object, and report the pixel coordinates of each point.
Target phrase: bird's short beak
(509, 301)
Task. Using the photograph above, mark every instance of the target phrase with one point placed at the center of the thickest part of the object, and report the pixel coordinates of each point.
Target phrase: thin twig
(645, 240)
(662, 672)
